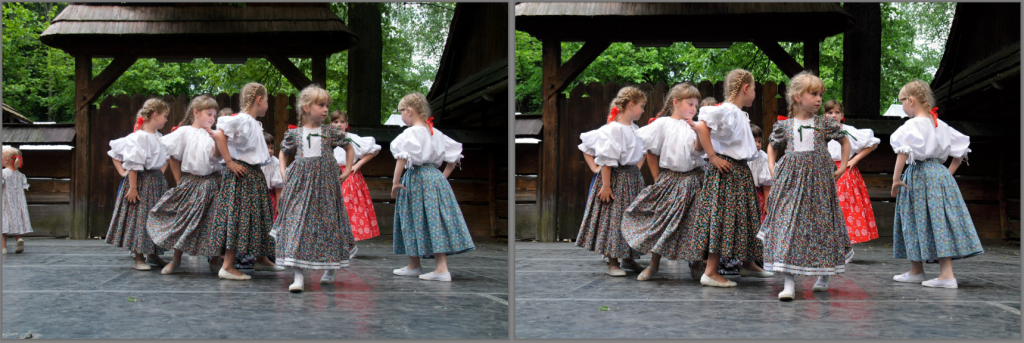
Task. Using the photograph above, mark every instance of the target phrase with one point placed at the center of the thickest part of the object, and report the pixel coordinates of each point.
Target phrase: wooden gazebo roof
(12, 116)
(676, 22)
(199, 30)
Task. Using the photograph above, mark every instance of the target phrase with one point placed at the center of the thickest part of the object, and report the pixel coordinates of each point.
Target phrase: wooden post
(319, 63)
(548, 200)
(862, 49)
(812, 56)
(365, 66)
(80, 191)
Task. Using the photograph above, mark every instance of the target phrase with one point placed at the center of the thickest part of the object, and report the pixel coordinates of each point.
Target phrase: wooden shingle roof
(12, 116)
(677, 22)
(199, 29)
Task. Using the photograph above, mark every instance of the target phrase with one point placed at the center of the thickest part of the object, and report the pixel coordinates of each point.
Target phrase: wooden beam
(812, 56)
(97, 86)
(320, 70)
(547, 229)
(862, 49)
(365, 66)
(80, 188)
(780, 57)
(578, 63)
(290, 71)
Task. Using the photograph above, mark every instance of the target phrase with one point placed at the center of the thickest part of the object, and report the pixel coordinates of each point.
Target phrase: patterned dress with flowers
(853, 192)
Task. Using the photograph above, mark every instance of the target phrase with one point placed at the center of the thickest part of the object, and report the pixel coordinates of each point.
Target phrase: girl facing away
(141, 159)
(804, 231)
(853, 193)
(656, 220)
(619, 152)
(312, 227)
(180, 220)
(932, 222)
(241, 211)
(428, 220)
(15, 220)
(726, 211)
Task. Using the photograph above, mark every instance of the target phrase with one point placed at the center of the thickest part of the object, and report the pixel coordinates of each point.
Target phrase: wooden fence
(49, 194)
(990, 184)
(475, 184)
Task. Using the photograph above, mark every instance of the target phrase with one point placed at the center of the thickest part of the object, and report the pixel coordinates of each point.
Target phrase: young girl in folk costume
(181, 219)
(759, 169)
(804, 232)
(932, 221)
(241, 210)
(656, 220)
(272, 172)
(726, 212)
(354, 189)
(619, 151)
(312, 229)
(428, 221)
(140, 158)
(15, 216)
(853, 193)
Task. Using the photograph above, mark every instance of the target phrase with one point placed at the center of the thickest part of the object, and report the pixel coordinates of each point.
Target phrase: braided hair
(149, 108)
(249, 93)
(735, 80)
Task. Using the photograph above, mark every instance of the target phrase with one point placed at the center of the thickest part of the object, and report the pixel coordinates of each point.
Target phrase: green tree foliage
(39, 80)
(913, 39)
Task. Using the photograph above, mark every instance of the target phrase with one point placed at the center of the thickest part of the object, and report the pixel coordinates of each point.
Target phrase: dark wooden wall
(990, 184)
(475, 184)
(49, 195)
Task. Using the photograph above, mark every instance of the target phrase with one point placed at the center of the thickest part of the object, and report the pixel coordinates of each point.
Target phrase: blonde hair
(338, 114)
(832, 103)
(312, 94)
(682, 91)
(626, 96)
(199, 103)
(225, 112)
(802, 83)
(709, 101)
(11, 152)
(921, 91)
(248, 95)
(150, 107)
(418, 102)
(735, 80)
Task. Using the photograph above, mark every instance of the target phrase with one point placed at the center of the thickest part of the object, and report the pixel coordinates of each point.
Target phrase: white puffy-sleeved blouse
(860, 139)
(361, 146)
(245, 138)
(272, 172)
(920, 139)
(139, 151)
(672, 140)
(613, 145)
(194, 148)
(730, 131)
(759, 169)
(417, 146)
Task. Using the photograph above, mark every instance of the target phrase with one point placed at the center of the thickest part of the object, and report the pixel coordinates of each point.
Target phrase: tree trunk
(862, 71)
(365, 69)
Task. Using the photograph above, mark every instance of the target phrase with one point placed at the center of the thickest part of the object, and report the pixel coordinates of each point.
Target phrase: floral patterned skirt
(128, 227)
(428, 219)
(601, 230)
(804, 232)
(312, 229)
(242, 213)
(725, 216)
(931, 218)
(856, 204)
(655, 222)
(181, 220)
(359, 206)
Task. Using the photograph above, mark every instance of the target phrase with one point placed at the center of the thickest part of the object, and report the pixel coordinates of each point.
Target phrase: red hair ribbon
(843, 120)
(139, 122)
(718, 104)
(781, 118)
(935, 115)
(234, 114)
(430, 123)
(613, 114)
(292, 127)
(174, 128)
(21, 160)
(650, 120)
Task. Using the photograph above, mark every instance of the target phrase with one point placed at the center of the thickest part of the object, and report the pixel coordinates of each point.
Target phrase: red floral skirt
(760, 200)
(359, 206)
(273, 202)
(856, 205)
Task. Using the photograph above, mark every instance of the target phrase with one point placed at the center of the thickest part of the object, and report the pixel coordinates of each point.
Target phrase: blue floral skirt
(931, 218)
(428, 219)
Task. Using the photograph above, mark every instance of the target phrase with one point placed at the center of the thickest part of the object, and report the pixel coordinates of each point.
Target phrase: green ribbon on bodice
(802, 127)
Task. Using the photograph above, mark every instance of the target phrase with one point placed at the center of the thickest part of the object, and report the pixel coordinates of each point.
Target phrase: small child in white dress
(15, 220)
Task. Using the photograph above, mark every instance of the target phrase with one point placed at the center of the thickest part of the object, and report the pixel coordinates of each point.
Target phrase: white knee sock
(790, 281)
(298, 275)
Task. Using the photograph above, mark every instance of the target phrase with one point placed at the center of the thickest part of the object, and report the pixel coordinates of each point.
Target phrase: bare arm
(704, 135)
(954, 165)
(133, 194)
(897, 174)
(860, 155)
(606, 184)
(771, 160)
(845, 142)
(175, 169)
(590, 163)
(120, 168)
(283, 165)
(222, 145)
(396, 182)
(349, 155)
(448, 169)
(652, 163)
(363, 161)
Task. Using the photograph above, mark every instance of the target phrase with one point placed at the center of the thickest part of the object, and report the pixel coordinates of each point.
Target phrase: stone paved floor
(560, 290)
(80, 289)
